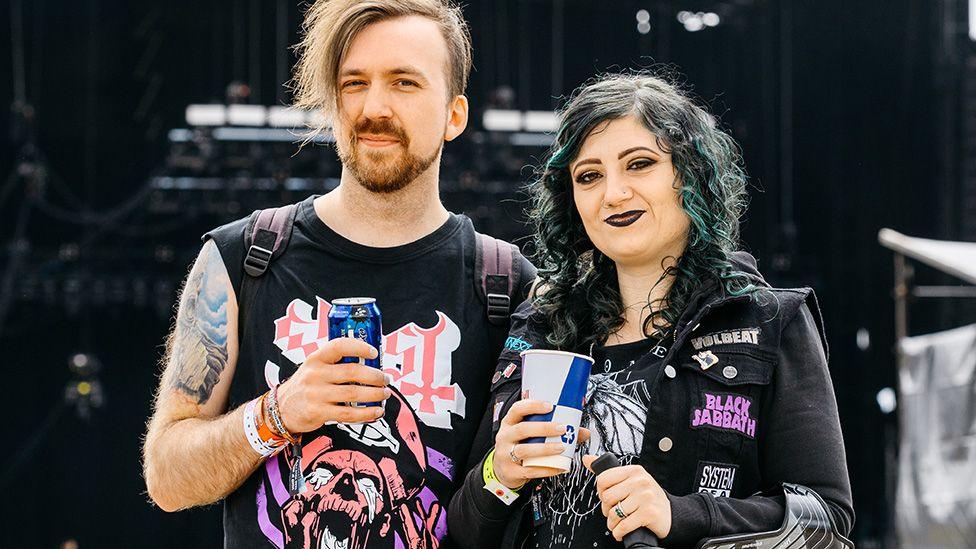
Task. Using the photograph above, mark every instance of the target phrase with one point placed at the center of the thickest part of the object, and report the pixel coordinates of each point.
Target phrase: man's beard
(378, 174)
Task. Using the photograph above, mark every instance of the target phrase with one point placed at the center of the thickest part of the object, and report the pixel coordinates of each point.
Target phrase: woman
(710, 385)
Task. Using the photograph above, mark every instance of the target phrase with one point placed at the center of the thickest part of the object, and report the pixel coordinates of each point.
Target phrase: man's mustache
(381, 128)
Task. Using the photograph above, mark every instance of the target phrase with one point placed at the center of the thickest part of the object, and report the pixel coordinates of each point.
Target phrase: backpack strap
(267, 231)
(266, 237)
(498, 266)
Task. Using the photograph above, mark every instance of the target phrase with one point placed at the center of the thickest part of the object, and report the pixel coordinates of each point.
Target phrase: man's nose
(377, 104)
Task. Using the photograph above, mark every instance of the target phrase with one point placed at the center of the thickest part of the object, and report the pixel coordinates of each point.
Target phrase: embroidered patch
(725, 412)
(509, 370)
(727, 337)
(517, 344)
(715, 478)
(495, 378)
(706, 359)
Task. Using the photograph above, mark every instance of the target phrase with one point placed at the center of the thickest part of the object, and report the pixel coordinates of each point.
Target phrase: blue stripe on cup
(570, 401)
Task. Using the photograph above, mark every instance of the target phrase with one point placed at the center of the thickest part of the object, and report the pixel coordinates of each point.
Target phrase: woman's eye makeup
(640, 163)
(636, 164)
(587, 176)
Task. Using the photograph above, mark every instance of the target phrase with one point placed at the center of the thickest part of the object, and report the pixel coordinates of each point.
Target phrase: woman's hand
(510, 451)
(632, 490)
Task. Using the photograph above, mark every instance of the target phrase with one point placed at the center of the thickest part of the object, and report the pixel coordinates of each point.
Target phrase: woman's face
(626, 192)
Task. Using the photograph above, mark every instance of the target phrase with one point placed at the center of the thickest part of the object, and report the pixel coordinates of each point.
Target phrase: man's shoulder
(228, 231)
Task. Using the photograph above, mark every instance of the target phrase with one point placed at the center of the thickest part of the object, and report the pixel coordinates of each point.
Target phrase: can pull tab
(296, 479)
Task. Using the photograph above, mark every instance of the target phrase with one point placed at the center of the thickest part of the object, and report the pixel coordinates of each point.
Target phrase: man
(391, 75)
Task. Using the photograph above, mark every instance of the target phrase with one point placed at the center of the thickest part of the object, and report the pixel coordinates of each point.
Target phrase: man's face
(394, 110)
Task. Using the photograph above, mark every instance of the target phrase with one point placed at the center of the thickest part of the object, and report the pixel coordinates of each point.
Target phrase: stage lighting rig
(84, 390)
(696, 21)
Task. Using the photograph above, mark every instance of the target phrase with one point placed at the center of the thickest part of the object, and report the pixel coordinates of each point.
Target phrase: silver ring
(514, 458)
(620, 512)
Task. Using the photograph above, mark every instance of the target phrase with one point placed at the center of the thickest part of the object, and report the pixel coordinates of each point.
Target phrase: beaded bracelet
(265, 429)
(274, 417)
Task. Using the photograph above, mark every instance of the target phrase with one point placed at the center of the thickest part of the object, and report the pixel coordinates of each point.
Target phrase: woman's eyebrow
(632, 149)
(585, 161)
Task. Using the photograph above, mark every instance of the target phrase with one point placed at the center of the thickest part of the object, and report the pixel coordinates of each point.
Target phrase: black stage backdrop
(848, 114)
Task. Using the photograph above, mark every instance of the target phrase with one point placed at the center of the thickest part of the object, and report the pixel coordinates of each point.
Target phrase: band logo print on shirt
(417, 358)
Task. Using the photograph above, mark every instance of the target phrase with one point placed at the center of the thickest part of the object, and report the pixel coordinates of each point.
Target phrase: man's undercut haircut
(331, 25)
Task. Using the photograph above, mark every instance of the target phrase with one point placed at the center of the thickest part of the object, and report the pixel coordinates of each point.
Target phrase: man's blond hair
(331, 25)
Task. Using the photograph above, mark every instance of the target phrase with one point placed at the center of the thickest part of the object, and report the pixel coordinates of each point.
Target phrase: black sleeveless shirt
(386, 483)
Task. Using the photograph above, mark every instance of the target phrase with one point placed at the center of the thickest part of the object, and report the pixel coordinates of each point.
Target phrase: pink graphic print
(366, 484)
(419, 359)
(355, 497)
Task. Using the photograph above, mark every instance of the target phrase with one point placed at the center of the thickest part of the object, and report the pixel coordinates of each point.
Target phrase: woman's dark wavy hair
(581, 302)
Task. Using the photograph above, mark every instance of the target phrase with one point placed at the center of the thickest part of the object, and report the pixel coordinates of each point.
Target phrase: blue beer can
(358, 317)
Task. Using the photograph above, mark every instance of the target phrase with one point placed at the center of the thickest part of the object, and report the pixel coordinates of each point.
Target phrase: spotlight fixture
(696, 21)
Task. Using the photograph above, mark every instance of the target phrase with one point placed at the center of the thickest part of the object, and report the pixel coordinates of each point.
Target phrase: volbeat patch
(715, 478)
(727, 337)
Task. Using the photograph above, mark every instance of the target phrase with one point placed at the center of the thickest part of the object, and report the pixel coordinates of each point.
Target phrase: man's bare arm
(195, 454)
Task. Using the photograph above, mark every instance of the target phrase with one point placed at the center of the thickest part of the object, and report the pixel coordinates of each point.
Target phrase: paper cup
(560, 378)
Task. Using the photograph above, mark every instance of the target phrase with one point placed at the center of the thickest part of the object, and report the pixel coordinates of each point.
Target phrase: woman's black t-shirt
(566, 508)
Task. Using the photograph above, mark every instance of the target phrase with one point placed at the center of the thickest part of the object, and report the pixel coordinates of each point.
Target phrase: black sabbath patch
(725, 412)
(716, 479)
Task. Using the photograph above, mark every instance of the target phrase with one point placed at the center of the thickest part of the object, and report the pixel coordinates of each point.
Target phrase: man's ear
(457, 118)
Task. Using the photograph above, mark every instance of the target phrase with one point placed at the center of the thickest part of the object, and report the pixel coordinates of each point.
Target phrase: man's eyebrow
(396, 71)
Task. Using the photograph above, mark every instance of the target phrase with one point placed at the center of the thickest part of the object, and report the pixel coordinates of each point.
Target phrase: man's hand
(318, 391)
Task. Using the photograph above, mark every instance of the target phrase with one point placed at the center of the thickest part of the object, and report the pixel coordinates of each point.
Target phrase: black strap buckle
(257, 260)
(499, 306)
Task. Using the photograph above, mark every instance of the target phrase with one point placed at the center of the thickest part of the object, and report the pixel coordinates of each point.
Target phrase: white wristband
(251, 432)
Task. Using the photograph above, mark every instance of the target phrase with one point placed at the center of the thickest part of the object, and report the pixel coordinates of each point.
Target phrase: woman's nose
(617, 192)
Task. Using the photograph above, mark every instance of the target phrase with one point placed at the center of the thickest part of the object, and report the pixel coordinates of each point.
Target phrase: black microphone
(641, 538)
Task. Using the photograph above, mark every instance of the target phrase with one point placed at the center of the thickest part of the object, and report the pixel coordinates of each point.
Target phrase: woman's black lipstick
(624, 219)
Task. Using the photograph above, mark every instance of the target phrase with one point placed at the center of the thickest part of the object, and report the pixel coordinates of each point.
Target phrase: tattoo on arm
(198, 345)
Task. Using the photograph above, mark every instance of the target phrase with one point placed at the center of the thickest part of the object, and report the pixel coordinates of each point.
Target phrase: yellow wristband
(502, 492)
